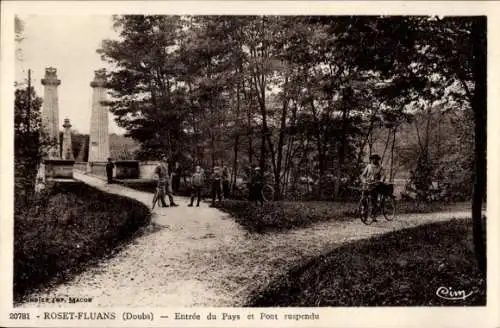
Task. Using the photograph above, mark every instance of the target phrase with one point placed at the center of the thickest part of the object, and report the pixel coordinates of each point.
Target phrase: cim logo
(448, 293)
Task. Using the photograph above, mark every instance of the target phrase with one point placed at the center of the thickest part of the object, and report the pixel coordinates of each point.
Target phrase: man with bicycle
(164, 183)
(373, 178)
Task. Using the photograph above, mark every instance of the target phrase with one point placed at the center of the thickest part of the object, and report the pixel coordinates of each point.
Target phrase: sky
(67, 43)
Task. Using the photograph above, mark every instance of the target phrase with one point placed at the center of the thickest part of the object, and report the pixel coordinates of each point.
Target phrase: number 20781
(19, 316)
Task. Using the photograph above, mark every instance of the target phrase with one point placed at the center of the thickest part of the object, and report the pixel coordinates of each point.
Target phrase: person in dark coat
(216, 181)
(176, 177)
(258, 185)
(109, 170)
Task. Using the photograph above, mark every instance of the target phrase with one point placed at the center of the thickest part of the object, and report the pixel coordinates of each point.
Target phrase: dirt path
(201, 257)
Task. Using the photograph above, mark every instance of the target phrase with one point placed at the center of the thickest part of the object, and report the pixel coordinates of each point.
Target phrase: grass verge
(403, 268)
(283, 216)
(71, 228)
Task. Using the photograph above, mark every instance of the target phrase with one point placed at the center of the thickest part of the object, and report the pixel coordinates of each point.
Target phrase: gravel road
(199, 257)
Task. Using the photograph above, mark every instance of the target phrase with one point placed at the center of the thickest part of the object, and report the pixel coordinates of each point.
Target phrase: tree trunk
(234, 173)
(250, 143)
(235, 162)
(342, 149)
(279, 150)
(480, 112)
(365, 141)
(386, 145)
(391, 170)
(289, 158)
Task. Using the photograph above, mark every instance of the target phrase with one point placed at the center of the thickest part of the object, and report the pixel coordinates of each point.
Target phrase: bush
(282, 216)
(403, 268)
(71, 227)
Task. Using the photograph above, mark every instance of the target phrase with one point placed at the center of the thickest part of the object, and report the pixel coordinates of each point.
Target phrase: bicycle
(156, 197)
(386, 203)
(243, 192)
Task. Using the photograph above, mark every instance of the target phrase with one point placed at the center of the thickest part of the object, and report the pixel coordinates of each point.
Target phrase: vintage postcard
(249, 164)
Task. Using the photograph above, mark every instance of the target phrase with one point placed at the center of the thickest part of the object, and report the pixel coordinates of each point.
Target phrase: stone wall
(81, 166)
(58, 169)
(98, 168)
(146, 169)
(127, 169)
(123, 169)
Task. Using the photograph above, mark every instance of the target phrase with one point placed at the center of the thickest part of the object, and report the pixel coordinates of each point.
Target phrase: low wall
(58, 169)
(81, 166)
(98, 168)
(147, 169)
(127, 169)
(122, 170)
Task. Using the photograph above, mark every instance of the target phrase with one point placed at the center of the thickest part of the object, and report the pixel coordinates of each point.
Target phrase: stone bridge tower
(50, 111)
(67, 147)
(99, 136)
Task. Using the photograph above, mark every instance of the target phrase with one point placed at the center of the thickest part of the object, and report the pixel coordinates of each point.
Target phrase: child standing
(216, 185)
(197, 182)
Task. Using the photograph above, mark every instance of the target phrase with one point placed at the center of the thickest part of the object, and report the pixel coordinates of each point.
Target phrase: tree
(147, 98)
(411, 52)
(478, 37)
(27, 143)
(302, 96)
(28, 137)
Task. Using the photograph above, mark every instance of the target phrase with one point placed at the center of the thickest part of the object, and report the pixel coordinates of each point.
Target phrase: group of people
(219, 181)
(373, 177)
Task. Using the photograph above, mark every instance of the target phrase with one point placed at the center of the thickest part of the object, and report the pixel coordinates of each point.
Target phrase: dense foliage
(298, 95)
(302, 96)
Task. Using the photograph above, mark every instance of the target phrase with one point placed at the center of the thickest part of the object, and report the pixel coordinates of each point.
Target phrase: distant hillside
(120, 147)
(442, 140)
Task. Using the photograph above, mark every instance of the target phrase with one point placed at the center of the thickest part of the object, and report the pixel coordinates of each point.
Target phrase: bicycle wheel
(388, 205)
(239, 193)
(155, 199)
(268, 193)
(364, 211)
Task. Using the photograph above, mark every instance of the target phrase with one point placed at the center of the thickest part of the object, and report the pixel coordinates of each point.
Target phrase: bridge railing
(80, 166)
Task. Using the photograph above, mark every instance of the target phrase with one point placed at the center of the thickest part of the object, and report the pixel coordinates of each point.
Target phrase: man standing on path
(257, 183)
(164, 182)
(216, 185)
(197, 182)
(109, 170)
